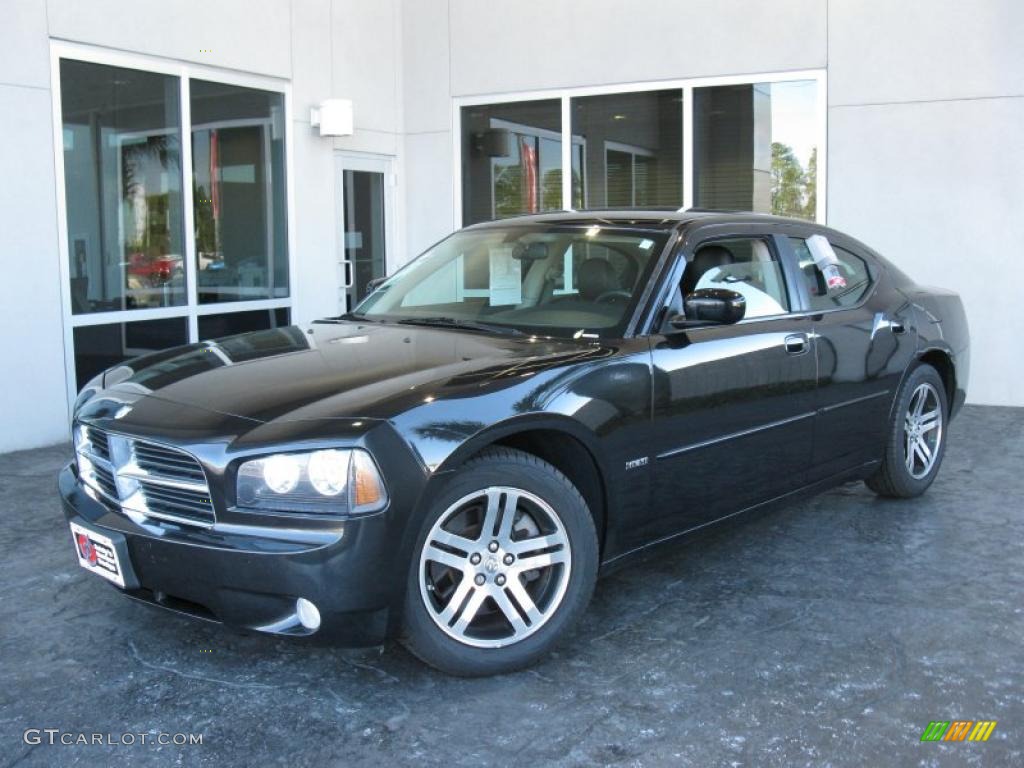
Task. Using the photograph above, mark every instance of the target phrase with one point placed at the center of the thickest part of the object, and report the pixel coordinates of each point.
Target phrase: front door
(733, 414)
(364, 191)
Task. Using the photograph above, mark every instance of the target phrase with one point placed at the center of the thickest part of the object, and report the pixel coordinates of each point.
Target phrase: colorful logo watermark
(958, 730)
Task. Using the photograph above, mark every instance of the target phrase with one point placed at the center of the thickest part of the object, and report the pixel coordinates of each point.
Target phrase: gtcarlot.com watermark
(54, 736)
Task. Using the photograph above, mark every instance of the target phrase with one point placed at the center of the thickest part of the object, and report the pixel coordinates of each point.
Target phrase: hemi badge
(634, 463)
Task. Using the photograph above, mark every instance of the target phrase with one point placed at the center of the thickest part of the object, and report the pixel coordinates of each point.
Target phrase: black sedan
(527, 404)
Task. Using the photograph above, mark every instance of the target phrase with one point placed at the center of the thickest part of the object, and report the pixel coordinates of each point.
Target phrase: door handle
(797, 343)
(346, 266)
(882, 321)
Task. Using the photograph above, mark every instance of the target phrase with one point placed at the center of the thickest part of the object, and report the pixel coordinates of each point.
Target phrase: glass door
(364, 194)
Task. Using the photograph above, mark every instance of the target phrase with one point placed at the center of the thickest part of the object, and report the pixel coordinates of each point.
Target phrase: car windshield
(567, 281)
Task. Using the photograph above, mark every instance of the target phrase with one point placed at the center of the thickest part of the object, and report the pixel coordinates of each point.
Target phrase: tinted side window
(746, 265)
(852, 267)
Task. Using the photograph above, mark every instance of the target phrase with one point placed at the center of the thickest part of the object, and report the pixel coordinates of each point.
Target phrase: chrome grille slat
(99, 443)
(147, 478)
(105, 479)
(162, 461)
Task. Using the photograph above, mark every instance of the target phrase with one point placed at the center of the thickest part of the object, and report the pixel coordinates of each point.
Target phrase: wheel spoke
(537, 542)
(924, 450)
(918, 454)
(445, 558)
(930, 420)
(540, 561)
(919, 400)
(515, 586)
(491, 515)
(457, 599)
(461, 543)
(910, 453)
(476, 599)
(508, 514)
(513, 615)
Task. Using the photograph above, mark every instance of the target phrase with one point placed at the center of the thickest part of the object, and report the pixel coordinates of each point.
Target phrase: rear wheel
(504, 567)
(916, 441)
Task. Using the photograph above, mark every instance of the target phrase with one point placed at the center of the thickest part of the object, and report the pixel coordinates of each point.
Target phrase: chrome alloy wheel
(494, 567)
(922, 431)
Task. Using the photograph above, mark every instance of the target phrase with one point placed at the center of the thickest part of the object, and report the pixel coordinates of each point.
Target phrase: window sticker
(506, 278)
(827, 261)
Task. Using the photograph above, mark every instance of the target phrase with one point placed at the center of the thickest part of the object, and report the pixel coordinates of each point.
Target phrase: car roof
(648, 218)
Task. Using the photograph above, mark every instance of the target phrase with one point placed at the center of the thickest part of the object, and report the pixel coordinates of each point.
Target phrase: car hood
(335, 369)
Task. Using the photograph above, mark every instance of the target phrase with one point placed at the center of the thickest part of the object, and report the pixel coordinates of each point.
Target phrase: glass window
(755, 148)
(238, 167)
(98, 347)
(511, 159)
(545, 279)
(122, 180)
(126, 209)
(745, 265)
(632, 147)
(854, 284)
(229, 323)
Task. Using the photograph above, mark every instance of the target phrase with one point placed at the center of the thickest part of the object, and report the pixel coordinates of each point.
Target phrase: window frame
(686, 85)
(191, 310)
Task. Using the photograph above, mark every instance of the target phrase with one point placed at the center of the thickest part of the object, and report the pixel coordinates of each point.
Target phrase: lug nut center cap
(491, 566)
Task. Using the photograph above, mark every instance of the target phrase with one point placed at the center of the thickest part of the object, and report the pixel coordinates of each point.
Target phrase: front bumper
(253, 582)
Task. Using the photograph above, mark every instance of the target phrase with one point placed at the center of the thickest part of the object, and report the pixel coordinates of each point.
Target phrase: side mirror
(372, 285)
(710, 305)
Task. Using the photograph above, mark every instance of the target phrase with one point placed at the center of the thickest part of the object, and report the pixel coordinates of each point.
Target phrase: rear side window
(853, 268)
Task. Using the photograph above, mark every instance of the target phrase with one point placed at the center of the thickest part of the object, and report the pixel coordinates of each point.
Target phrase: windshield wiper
(346, 317)
(471, 325)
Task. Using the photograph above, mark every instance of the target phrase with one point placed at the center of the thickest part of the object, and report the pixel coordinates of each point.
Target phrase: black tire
(504, 467)
(893, 478)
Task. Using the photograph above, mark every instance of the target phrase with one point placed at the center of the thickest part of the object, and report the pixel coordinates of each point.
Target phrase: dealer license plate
(96, 553)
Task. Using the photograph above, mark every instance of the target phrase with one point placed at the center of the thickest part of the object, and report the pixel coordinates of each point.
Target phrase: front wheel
(504, 566)
(916, 441)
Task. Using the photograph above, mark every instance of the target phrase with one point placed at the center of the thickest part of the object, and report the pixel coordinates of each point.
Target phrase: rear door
(863, 346)
(733, 408)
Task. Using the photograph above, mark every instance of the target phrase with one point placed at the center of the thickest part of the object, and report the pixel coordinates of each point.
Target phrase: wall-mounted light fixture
(333, 117)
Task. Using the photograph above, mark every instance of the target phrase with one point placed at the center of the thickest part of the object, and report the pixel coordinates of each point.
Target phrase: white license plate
(96, 553)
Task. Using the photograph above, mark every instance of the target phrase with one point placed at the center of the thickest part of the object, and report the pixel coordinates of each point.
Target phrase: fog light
(309, 616)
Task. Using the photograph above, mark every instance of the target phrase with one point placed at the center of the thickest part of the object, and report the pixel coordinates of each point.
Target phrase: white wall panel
(507, 45)
(936, 188)
(238, 34)
(884, 51)
(33, 403)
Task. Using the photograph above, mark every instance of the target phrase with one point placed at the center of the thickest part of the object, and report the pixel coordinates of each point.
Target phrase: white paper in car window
(506, 283)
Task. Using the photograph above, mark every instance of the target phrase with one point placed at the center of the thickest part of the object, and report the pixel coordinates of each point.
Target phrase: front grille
(167, 462)
(177, 502)
(146, 479)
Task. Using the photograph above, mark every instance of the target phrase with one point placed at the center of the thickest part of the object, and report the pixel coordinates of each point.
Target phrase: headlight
(322, 482)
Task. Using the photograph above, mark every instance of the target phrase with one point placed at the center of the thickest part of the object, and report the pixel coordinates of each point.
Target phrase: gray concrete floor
(829, 632)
